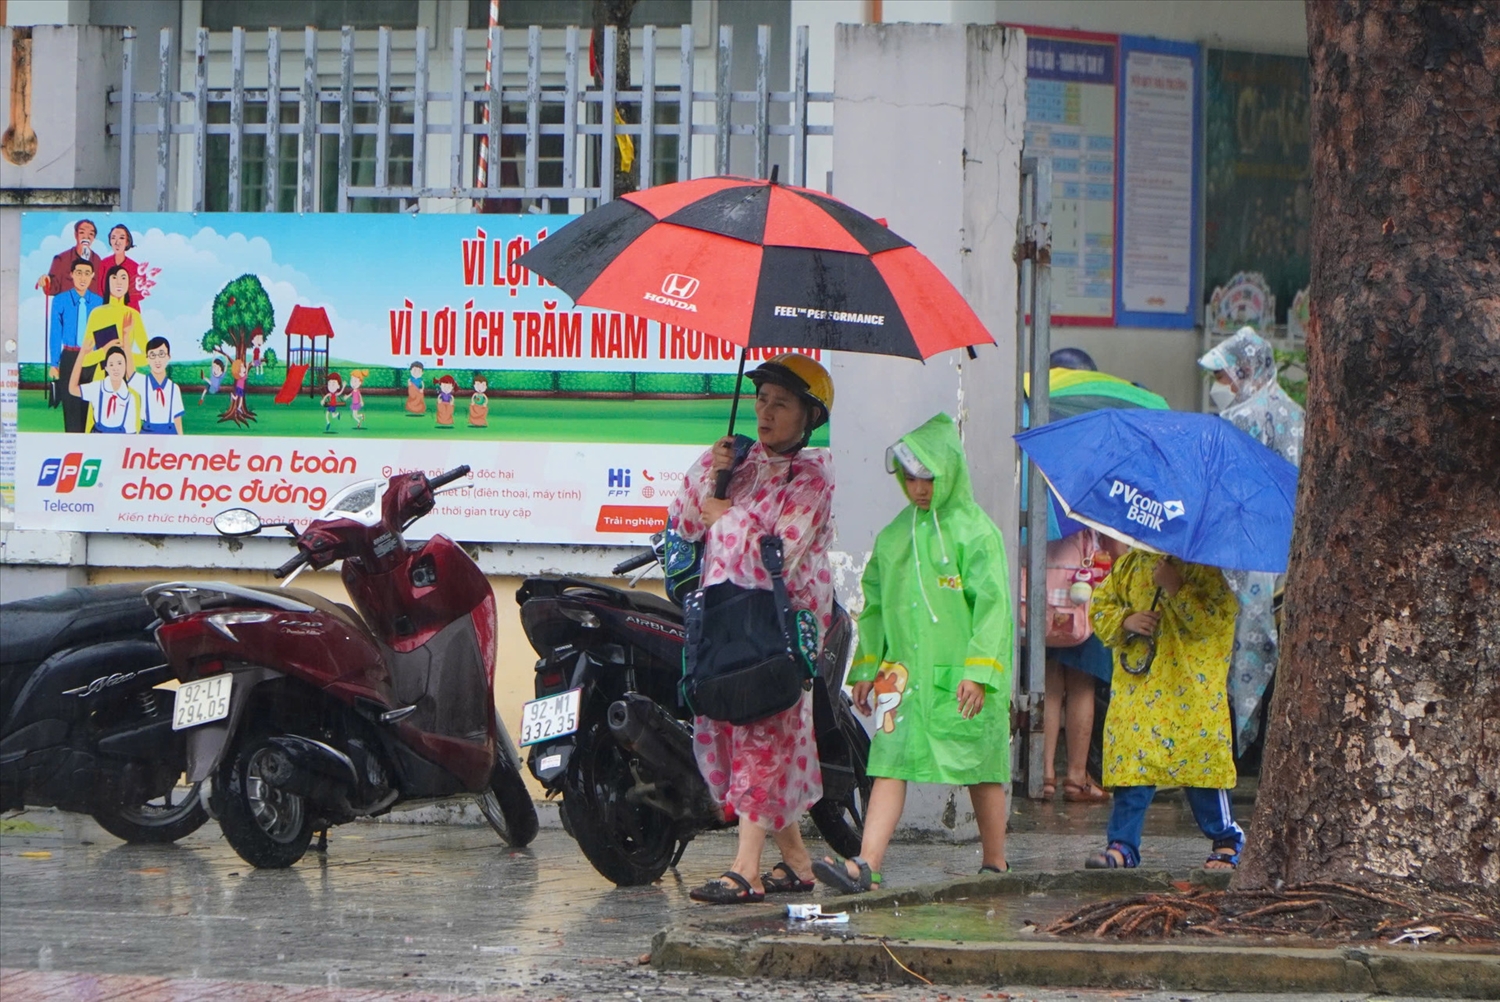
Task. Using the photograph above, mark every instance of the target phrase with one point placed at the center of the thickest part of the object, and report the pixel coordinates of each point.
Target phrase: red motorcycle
(303, 713)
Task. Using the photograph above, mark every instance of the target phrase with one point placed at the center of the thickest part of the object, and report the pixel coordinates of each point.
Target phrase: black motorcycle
(610, 733)
(82, 726)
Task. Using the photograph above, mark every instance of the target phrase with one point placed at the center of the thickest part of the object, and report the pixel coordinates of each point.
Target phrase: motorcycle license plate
(201, 702)
(551, 717)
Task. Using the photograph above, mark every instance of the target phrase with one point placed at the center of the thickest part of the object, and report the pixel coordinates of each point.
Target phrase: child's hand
(1167, 577)
(970, 699)
(1142, 623)
(861, 696)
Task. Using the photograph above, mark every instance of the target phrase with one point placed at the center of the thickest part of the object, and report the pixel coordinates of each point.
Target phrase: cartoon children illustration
(161, 401)
(114, 403)
(239, 372)
(67, 322)
(331, 401)
(479, 403)
(416, 403)
(357, 399)
(446, 387)
(215, 378)
(257, 355)
(890, 685)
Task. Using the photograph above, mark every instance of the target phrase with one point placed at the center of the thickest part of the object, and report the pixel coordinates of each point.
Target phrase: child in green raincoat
(934, 653)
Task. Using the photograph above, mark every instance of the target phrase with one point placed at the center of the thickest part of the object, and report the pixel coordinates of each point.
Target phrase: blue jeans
(1211, 810)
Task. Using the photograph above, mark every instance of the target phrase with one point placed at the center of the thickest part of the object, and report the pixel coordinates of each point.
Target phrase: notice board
(1071, 89)
(1258, 199)
(1120, 119)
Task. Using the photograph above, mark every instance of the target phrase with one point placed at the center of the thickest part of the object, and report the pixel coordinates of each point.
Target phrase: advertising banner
(173, 365)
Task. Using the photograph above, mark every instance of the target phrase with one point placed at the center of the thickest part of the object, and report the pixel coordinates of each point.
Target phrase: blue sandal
(1106, 860)
(1224, 852)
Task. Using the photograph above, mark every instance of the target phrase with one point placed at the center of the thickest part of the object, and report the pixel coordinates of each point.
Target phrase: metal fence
(589, 125)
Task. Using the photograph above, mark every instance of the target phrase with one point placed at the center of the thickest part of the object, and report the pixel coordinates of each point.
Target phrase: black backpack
(748, 655)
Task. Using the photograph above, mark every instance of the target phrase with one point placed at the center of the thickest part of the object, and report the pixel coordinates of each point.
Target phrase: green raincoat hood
(936, 444)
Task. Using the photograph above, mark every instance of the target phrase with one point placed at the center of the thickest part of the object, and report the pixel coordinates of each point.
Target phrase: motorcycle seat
(32, 629)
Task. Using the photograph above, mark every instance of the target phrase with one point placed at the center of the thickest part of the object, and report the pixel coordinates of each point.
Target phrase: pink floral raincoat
(766, 772)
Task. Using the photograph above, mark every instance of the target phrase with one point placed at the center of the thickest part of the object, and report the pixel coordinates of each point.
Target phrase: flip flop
(995, 869)
(836, 875)
(716, 892)
(782, 879)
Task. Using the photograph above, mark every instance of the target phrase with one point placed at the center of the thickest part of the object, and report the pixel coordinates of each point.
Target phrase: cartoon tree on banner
(240, 310)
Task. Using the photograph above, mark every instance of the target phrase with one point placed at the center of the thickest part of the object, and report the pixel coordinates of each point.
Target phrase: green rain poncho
(937, 613)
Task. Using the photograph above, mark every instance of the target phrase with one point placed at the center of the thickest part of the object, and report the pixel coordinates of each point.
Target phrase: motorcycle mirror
(237, 522)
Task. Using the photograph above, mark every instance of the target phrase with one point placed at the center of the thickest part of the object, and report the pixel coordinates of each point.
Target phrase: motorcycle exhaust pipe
(647, 731)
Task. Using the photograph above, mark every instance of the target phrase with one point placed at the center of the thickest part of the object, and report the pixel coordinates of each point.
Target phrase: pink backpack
(1067, 624)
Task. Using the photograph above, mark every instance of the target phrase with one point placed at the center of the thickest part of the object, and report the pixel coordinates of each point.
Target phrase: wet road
(442, 910)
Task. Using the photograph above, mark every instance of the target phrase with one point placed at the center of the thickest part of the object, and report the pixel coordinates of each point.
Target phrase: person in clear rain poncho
(1247, 394)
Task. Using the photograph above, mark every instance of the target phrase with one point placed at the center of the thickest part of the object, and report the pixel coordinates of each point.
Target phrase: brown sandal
(1087, 793)
(1049, 788)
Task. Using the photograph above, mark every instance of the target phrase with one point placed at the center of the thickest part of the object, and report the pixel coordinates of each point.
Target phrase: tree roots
(1322, 910)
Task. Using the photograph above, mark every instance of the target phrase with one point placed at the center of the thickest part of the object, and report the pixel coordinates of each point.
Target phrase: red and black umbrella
(762, 264)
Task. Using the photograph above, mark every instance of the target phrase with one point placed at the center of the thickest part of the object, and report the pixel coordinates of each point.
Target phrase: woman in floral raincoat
(1168, 726)
(935, 652)
(1250, 397)
(766, 774)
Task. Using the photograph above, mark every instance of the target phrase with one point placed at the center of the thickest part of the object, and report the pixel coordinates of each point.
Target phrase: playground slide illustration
(293, 383)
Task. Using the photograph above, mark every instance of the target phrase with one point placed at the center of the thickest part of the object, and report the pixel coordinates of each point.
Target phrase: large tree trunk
(1383, 752)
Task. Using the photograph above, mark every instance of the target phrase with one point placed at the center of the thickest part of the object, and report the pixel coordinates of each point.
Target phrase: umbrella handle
(721, 482)
(1145, 664)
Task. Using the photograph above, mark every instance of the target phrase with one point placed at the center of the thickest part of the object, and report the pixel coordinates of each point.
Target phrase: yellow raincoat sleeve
(1204, 591)
(871, 649)
(1110, 606)
(987, 588)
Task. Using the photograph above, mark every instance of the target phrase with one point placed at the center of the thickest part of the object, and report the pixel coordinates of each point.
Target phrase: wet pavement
(442, 910)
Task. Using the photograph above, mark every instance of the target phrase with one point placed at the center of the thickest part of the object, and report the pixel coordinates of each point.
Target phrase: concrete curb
(1082, 965)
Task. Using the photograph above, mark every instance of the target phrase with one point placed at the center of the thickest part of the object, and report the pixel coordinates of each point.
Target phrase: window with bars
(362, 159)
(561, 13)
(252, 162)
(328, 15)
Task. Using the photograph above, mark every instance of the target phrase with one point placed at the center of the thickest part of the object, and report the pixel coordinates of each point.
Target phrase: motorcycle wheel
(164, 819)
(269, 828)
(629, 844)
(842, 822)
(508, 807)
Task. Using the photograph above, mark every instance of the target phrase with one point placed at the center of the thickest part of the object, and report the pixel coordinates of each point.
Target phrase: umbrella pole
(721, 483)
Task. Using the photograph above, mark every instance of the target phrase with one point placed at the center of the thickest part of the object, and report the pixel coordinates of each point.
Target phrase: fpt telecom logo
(69, 472)
(1145, 509)
(619, 482)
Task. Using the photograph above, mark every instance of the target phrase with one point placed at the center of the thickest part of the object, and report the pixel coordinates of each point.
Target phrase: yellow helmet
(802, 376)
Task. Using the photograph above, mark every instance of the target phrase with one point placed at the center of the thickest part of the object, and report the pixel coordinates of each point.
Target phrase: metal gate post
(1034, 251)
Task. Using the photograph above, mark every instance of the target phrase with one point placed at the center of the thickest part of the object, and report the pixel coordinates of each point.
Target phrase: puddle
(981, 920)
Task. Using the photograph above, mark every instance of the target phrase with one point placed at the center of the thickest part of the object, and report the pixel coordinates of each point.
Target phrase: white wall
(909, 101)
(1164, 360)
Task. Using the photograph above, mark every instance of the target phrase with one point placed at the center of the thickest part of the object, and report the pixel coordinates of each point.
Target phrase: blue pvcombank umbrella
(1192, 485)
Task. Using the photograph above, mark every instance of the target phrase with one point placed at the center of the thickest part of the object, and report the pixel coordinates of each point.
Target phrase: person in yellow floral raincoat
(934, 653)
(1170, 724)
